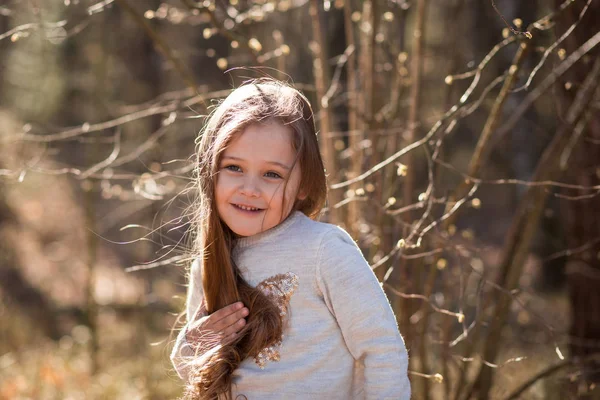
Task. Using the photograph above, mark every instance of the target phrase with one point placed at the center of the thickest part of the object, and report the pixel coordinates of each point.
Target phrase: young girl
(279, 306)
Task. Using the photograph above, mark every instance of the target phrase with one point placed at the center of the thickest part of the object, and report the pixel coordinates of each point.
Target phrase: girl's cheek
(272, 192)
(290, 197)
(226, 181)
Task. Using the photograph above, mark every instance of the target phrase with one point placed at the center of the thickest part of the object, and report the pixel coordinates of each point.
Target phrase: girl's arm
(183, 351)
(355, 297)
(203, 331)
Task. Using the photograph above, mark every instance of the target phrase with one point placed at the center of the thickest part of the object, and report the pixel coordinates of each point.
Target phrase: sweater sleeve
(183, 350)
(355, 297)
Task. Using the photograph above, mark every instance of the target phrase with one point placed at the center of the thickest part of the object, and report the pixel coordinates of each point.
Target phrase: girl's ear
(301, 195)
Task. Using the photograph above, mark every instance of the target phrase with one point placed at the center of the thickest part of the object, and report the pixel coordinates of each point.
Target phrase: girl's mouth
(246, 208)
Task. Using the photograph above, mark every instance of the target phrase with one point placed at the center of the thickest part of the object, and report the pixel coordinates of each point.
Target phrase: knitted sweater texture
(341, 339)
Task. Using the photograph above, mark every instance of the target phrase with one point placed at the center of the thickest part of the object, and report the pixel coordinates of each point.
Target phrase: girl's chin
(242, 233)
(240, 230)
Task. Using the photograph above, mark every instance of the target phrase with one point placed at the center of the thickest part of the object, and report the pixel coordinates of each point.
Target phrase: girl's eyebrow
(268, 162)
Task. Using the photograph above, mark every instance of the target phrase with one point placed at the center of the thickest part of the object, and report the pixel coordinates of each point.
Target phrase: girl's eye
(273, 175)
(234, 168)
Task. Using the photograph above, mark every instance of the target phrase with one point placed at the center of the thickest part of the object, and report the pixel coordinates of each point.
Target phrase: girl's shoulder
(339, 258)
(322, 231)
(326, 236)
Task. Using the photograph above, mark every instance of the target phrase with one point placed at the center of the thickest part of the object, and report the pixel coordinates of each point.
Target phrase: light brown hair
(258, 101)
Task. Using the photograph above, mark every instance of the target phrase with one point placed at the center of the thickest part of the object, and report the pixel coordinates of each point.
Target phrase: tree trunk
(13, 284)
(580, 217)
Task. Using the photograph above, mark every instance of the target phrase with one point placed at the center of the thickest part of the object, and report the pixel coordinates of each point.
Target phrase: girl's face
(252, 176)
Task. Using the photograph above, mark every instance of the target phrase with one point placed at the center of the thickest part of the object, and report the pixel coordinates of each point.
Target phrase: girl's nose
(250, 188)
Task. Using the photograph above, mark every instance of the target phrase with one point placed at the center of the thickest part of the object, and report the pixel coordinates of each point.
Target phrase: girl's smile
(254, 171)
(247, 208)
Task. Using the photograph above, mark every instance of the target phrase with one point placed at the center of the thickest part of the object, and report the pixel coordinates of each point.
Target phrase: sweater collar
(270, 234)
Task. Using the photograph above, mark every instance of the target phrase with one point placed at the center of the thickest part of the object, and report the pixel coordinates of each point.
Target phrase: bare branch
(161, 45)
(551, 48)
(105, 163)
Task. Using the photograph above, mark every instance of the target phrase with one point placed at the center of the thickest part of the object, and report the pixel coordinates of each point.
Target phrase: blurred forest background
(462, 141)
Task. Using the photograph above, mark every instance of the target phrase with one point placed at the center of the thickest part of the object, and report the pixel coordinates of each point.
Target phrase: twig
(160, 45)
(569, 252)
(475, 163)
(481, 67)
(416, 69)
(526, 33)
(105, 163)
(550, 80)
(552, 47)
(458, 316)
(335, 81)
(547, 183)
(87, 127)
(354, 124)
(172, 260)
(142, 148)
(322, 82)
(577, 132)
(435, 128)
(227, 33)
(547, 372)
(525, 222)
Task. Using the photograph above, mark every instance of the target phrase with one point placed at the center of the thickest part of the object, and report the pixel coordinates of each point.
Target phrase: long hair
(262, 100)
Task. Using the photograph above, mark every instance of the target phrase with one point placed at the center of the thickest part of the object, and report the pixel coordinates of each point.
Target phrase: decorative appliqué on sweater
(279, 289)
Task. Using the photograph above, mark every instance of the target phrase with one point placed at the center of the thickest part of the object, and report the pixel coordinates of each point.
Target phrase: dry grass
(131, 367)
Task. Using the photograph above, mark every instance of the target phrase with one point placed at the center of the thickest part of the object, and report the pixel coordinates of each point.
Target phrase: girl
(279, 306)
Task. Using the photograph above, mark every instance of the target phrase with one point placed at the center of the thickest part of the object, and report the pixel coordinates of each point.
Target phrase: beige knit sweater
(341, 340)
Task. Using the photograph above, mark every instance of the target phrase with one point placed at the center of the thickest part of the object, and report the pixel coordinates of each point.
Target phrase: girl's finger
(225, 312)
(230, 320)
(234, 328)
(229, 338)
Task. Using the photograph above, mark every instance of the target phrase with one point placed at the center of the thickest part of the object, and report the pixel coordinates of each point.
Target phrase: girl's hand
(223, 324)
